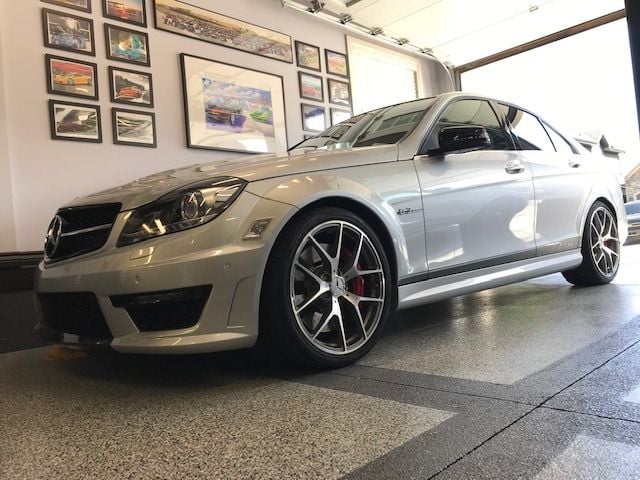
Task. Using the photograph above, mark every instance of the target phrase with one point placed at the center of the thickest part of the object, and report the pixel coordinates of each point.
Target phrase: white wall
(46, 173)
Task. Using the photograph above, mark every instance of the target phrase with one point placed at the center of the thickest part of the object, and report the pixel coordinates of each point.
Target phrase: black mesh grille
(76, 219)
(76, 313)
(166, 310)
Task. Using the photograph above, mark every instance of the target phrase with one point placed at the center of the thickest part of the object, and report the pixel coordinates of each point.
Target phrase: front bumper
(212, 255)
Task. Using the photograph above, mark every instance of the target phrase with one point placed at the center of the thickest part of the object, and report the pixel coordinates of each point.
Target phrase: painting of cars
(83, 5)
(311, 87)
(130, 11)
(183, 19)
(131, 87)
(339, 92)
(133, 128)
(127, 45)
(236, 108)
(68, 32)
(71, 77)
(232, 108)
(336, 63)
(75, 121)
(308, 56)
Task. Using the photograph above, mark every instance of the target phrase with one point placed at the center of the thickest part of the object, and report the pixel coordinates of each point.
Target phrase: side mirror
(455, 139)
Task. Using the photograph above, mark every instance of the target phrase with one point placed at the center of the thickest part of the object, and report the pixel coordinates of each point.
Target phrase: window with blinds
(380, 76)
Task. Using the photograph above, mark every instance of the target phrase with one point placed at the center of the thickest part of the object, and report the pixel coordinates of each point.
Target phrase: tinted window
(384, 126)
(562, 145)
(529, 131)
(392, 124)
(472, 112)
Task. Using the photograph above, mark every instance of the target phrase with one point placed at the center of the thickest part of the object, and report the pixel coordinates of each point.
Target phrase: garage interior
(538, 379)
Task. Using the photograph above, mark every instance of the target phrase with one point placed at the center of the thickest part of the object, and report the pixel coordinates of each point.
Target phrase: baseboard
(17, 270)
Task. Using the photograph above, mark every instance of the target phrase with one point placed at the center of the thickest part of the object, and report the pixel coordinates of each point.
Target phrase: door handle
(514, 166)
(575, 163)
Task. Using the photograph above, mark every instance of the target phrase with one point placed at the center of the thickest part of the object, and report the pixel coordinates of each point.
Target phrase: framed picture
(133, 128)
(338, 116)
(184, 19)
(307, 56)
(73, 78)
(129, 11)
(82, 5)
(336, 63)
(232, 108)
(339, 92)
(75, 121)
(68, 32)
(127, 45)
(313, 118)
(130, 87)
(311, 87)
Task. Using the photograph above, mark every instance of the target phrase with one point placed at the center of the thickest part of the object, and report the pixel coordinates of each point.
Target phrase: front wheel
(327, 290)
(600, 248)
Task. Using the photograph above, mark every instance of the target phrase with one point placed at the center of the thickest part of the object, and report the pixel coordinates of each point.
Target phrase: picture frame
(339, 92)
(126, 45)
(232, 108)
(64, 31)
(71, 78)
(313, 118)
(130, 87)
(338, 116)
(310, 86)
(134, 128)
(78, 122)
(337, 63)
(307, 56)
(176, 16)
(82, 5)
(128, 11)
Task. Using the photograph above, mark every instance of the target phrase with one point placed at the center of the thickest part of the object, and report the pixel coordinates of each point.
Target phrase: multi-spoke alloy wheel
(600, 248)
(337, 287)
(604, 242)
(327, 291)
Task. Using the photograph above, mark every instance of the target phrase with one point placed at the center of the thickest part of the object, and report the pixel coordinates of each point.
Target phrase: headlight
(180, 210)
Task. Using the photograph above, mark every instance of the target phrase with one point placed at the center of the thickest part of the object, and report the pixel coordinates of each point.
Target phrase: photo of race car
(73, 78)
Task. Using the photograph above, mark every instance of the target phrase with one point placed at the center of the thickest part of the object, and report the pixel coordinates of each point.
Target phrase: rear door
(561, 181)
(478, 205)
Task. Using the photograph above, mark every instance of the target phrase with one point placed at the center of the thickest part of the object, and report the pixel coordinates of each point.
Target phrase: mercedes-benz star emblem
(52, 240)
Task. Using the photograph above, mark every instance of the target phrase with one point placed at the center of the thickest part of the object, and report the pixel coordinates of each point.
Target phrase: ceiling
(461, 31)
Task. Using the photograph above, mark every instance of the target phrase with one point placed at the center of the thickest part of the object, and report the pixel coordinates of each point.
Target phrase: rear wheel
(600, 248)
(327, 290)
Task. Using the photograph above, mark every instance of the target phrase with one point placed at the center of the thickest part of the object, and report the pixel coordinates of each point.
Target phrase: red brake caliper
(356, 285)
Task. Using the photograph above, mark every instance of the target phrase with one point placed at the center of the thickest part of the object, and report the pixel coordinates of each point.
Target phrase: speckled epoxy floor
(535, 380)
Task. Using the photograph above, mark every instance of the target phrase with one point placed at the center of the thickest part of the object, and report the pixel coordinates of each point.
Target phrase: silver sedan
(311, 252)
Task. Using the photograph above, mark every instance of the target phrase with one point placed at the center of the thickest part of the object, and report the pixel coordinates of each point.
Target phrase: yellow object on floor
(65, 353)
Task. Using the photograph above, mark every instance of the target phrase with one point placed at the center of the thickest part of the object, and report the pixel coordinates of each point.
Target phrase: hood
(251, 168)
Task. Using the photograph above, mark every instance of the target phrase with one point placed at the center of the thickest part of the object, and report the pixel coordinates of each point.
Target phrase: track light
(403, 41)
(345, 18)
(316, 6)
(376, 31)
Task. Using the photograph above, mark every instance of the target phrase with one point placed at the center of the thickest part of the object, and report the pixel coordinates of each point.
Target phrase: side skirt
(440, 288)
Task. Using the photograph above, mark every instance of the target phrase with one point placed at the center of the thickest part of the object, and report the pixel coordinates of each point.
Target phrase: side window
(472, 112)
(528, 130)
(562, 146)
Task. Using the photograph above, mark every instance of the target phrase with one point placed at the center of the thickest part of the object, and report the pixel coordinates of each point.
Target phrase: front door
(479, 207)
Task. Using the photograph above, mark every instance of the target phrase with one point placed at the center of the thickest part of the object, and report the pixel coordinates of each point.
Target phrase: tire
(318, 307)
(600, 248)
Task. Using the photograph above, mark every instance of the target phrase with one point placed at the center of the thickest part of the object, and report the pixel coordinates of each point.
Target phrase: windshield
(385, 126)
(632, 208)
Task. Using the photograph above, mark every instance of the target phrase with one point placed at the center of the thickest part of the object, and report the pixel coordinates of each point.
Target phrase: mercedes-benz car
(310, 252)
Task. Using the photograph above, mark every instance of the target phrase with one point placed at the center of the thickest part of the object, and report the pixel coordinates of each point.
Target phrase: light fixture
(345, 18)
(403, 41)
(375, 31)
(316, 6)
